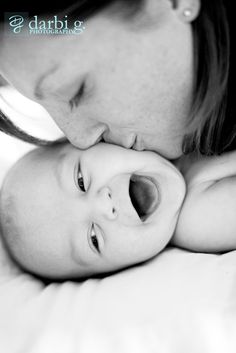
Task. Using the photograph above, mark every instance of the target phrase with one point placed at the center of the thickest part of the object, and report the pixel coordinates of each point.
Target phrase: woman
(146, 74)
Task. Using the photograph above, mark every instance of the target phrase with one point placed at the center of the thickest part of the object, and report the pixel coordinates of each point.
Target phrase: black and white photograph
(117, 176)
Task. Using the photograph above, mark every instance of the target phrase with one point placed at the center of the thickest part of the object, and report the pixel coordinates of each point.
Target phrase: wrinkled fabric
(179, 302)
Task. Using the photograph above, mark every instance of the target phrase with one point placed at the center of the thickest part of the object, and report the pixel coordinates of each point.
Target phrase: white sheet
(180, 302)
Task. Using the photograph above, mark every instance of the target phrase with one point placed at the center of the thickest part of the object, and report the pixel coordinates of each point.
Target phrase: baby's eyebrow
(58, 167)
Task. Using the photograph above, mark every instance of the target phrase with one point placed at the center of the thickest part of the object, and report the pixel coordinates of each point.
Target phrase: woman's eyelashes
(74, 101)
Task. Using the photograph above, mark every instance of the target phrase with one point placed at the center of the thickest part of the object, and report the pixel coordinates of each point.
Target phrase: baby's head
(69, 213)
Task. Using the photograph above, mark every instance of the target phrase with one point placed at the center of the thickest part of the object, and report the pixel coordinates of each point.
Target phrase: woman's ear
(186, 10)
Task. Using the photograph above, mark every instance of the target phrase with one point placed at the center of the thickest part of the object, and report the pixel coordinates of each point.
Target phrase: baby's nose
(105, 204)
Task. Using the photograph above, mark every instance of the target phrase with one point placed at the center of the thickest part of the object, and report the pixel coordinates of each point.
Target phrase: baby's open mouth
(144, 195)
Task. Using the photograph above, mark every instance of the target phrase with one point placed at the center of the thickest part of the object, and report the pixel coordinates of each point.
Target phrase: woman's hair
(211, 66)
(211, 69)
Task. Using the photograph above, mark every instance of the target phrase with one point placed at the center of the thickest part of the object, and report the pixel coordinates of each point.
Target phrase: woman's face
(125, 79)
(84, 212)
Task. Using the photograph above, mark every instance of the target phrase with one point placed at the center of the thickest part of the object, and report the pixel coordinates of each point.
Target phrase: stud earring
(187, 12)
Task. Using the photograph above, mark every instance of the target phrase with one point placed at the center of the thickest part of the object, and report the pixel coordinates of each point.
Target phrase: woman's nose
(105, 204)
(119, 137)
(88, 134)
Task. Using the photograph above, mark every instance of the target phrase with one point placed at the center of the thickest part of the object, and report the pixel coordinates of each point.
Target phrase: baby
(67, 213)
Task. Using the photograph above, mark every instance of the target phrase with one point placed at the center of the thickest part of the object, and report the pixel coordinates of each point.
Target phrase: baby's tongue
(144, 195)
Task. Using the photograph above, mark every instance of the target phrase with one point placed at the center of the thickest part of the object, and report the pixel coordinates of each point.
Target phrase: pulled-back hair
(211, 66)
(211, 70)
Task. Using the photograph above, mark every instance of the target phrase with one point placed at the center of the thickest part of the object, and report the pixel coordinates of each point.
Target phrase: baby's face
(93, 211)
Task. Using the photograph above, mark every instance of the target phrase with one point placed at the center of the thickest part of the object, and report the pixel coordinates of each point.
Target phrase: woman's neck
(184, 163)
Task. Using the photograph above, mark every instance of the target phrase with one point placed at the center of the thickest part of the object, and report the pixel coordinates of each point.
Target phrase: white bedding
(179, 302)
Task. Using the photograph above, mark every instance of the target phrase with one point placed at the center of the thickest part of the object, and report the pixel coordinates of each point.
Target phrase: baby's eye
(80, 180)
(94, 239)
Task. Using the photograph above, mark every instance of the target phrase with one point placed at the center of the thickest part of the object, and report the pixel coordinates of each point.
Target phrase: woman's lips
(138, 144)
(144, 195)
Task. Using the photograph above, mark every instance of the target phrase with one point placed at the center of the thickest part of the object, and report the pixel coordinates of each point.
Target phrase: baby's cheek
(156, 239)
(143, 242)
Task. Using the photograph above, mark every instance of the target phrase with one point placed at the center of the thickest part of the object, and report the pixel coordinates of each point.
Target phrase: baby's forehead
(24, 161)
(16, 174)
(18, 177)
(34, 156)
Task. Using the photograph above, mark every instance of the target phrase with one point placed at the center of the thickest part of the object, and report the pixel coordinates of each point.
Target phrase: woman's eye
(94, 239)
(80, 180)
(74, 101)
